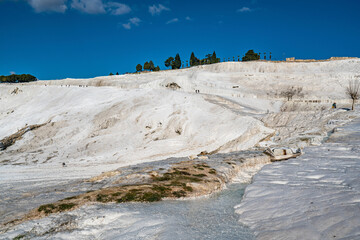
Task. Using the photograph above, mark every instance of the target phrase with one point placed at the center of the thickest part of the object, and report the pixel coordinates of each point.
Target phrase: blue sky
(54, 39)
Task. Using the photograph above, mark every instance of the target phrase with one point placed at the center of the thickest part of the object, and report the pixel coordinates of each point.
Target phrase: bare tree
(291, 92)
(352, 91)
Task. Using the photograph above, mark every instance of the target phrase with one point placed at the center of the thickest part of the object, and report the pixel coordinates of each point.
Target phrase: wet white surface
(205, 218)
(316, 196)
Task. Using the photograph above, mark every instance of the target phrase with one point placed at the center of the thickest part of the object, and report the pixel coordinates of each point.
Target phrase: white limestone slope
(134, 118)
(316, 196)
(109, 125)
(319, 80)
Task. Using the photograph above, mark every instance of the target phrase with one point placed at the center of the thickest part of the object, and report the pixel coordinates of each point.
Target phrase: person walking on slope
(334, 105)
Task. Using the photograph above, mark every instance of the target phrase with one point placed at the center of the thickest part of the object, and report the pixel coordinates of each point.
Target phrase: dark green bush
(18, 78)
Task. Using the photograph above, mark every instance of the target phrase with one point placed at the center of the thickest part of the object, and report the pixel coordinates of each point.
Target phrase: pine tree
(157, 69)
(147, 66)
(194, 61)
(111, 74)
(138, 68)
(177, 62)
(251, 56)
(169, 62)
(151, 66)
(214, 59)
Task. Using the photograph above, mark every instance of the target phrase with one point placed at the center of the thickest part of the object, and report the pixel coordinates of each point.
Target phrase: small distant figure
(63, 164)
(334, 105)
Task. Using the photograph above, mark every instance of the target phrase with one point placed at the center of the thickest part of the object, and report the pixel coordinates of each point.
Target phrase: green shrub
(47, 208)
(179, 194)
(160, 189)
(130, 196)
(188, 188)
(102, 198)
(151, 197)
(66, 206)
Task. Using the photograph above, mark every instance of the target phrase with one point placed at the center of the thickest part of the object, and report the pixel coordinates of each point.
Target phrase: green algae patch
(56, 207)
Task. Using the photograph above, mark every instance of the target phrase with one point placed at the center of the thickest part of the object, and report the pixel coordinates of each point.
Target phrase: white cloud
(188, 18)
(174, 20)
(156, 10)
(127, 25)
(244, 9)
(48, 5)
(86, 6)
(135, 21)
(116, 8)
(132, 22)
(89, 6)
(12, 72)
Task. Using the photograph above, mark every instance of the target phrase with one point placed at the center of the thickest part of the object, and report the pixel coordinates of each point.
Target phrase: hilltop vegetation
(251, 56)
(17, 78)
(177, 63)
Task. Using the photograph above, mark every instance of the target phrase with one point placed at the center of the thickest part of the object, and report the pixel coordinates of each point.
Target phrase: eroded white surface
(318, 196)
